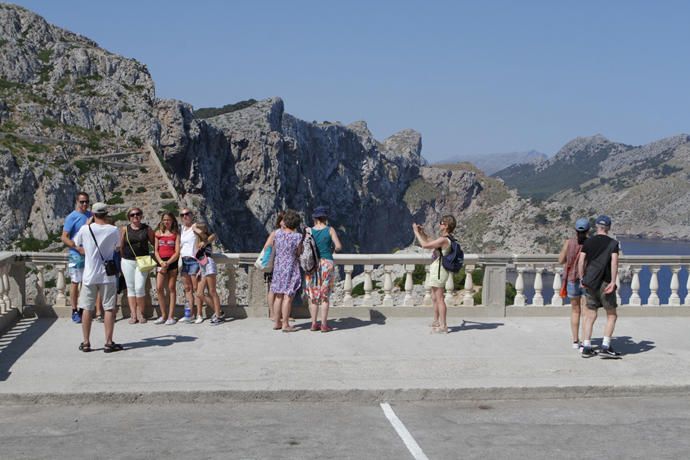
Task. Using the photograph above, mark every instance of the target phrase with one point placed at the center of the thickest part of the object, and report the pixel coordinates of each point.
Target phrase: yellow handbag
(144, 263)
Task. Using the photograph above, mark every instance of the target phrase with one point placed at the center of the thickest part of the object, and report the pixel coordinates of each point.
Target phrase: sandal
(85, 347)
(278, 327)
(435, 324)
(326, 329)
(132, 320)
(289, 329)
(440, 330)
(314, 327)
(109, 348)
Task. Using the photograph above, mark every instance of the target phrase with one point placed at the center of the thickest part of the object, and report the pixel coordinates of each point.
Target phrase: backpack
(309, 255)
(454, 260)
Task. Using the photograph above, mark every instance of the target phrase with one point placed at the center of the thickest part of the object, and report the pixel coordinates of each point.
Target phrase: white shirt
(188, 242)
(108, 238)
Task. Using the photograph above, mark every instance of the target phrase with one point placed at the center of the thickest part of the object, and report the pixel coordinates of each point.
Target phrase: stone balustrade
(526, 272)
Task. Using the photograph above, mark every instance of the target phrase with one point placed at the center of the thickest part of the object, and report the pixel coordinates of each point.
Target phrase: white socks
(606, 342)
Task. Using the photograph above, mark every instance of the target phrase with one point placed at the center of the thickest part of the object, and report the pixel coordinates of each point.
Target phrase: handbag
(564, 285)
(144, 263)
(265, 260)
(109, 265)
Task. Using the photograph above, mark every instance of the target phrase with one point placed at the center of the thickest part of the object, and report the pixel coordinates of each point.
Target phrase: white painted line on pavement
(405, 435)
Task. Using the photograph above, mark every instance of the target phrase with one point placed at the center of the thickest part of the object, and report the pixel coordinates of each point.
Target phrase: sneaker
(170, 322)
(99, 319)
(215, 321)
(577, 346)
(75, 317)
(609, 352)
(588, 352)
(184, 319)
(199, 319)
(160, 320)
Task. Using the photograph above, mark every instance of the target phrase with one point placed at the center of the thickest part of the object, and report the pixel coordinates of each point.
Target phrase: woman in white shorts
(437, 274)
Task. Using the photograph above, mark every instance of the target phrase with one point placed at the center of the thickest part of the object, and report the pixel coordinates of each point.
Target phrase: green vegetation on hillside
(418, 193)
(559, 175)
(208, 112)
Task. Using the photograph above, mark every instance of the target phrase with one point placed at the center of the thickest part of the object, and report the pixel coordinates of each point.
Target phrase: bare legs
(209, 281)
(190, 283)
(282, 304)
(136, 308)
(167, 301)
(440, 309)
(109, 323)
(575, 314)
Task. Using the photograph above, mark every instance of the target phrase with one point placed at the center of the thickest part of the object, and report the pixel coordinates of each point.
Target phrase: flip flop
(289, 329)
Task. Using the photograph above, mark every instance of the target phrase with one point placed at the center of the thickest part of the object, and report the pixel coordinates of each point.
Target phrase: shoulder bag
(144, 263)
(109, 265)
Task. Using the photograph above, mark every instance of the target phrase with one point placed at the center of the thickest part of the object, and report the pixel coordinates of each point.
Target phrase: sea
(630, 246)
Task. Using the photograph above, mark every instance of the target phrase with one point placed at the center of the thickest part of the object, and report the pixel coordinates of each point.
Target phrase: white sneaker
(184, 319)
(199, 319)
(160, 320)
(576, 345)
(170, 322)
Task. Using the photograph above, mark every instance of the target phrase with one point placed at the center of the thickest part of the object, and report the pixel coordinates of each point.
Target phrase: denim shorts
(574, 289)
(190, 266)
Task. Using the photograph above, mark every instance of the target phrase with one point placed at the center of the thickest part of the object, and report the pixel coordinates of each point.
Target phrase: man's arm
(614, 274)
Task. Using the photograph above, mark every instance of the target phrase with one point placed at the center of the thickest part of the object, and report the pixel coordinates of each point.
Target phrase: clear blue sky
(473, 77)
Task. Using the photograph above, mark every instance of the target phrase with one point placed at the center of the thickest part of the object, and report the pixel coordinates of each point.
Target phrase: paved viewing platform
(361, 360)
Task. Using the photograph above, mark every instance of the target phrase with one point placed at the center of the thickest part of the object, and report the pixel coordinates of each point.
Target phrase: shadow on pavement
(160, 341)
(469, 325)
(627, 346)
(341, 324)
(17, 340)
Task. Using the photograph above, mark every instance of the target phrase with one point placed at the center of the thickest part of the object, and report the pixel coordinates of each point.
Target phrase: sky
(474, 77)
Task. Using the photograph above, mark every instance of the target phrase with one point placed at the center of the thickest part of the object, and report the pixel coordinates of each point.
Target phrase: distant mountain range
(493, 162)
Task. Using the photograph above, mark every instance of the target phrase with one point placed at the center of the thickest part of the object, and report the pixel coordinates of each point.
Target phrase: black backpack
(454, 260)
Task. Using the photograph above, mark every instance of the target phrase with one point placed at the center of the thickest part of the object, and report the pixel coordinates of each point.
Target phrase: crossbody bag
(109, 265)
(144, 263)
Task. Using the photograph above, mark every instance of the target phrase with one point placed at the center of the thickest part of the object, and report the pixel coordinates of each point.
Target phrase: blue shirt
(323, 241)
(73, 222)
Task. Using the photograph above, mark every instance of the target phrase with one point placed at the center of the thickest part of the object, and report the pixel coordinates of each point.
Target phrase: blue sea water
(630, 246)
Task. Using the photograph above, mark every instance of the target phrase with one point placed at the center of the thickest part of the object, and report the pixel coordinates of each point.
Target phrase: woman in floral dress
(286, 275)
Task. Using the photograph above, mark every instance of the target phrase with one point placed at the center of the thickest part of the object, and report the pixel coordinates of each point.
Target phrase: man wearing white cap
(98, 242)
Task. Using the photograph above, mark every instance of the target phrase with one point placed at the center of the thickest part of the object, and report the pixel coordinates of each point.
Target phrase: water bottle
(187, 310)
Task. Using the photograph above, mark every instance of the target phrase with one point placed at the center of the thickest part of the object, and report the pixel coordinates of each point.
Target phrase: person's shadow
(160, 341)
(341, 324)
(469, 325)
(625, 345)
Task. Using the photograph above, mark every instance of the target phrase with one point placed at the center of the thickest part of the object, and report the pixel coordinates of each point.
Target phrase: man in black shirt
(598, 263)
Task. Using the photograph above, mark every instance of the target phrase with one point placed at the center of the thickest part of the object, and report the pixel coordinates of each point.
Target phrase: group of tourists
(104, 260)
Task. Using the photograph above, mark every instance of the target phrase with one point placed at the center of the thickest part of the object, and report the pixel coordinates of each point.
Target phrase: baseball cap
(582, 224)
(99, 208)
(603, 220)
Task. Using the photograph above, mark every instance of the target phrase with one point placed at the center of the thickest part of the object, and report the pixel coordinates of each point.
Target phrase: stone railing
(536, 279)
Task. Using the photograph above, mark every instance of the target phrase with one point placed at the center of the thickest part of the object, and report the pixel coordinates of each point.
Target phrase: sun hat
(320, 211)
(582, 224)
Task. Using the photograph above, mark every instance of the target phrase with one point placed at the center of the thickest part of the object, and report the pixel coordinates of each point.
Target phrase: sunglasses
(185, 214)
(84, 202)
(135, 214)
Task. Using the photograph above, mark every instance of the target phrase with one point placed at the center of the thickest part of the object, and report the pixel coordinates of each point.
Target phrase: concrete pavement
(362, 360)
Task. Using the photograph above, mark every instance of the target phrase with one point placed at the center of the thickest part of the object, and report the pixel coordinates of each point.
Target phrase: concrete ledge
(354, 395)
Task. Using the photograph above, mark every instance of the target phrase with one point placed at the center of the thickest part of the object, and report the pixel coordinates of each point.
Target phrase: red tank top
(166, 245)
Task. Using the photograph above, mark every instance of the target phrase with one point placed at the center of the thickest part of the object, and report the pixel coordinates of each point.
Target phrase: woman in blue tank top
(320, 284)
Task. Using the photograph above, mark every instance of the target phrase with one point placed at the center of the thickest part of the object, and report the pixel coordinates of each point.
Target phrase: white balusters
(557, 283)
(40, 299)
(3, 306)
(654, 286)
(468, 298)
(538, 299)
(674, 298)
(409, 301)
(635, 299)
(387, 286)
(427, 289)
(520, 299)
(347, 298)
(231, 284)
(450, 289)
(60, 299)
(368, 300)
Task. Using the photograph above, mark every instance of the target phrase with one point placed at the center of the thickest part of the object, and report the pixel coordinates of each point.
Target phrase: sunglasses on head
(135, 214)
